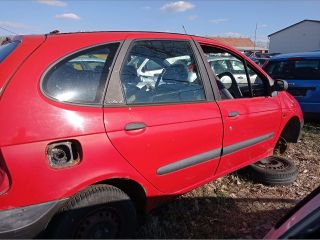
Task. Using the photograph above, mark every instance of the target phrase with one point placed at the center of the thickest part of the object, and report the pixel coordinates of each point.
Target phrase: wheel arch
(134, 190)
(291, 131)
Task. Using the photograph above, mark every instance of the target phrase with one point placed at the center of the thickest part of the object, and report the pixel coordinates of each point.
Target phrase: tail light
(4, 178)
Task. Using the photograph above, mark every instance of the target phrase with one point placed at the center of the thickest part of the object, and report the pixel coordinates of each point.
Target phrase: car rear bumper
(27, 222)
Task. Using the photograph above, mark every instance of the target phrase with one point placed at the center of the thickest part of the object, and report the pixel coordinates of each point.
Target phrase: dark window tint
(294, 69)
(159, 71)
(6, 49)
(81, 77)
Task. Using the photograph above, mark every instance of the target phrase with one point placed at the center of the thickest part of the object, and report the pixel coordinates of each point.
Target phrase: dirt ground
(234, 207)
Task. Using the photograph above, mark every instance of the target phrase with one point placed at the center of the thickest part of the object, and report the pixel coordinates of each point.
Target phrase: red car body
(141, 159)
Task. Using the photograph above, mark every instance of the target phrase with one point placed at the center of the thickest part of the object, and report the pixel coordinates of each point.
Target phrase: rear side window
(80, 78)
(303, 69)
(6, 49)
(161, 71)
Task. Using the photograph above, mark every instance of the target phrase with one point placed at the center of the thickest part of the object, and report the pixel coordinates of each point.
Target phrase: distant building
(241, 43)
(299, 37)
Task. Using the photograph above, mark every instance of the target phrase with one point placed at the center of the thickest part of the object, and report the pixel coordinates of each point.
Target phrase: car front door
(250, 115)
(169, 131)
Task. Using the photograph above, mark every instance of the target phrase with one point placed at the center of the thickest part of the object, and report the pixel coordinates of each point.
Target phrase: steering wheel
(234, 88)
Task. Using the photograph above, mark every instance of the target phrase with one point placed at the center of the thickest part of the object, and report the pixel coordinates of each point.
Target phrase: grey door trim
(114, 96)
(212, 155)
(191, 161)
(244, 144)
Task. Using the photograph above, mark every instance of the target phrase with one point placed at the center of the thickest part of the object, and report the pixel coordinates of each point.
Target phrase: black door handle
(233, 114)
(135, 126)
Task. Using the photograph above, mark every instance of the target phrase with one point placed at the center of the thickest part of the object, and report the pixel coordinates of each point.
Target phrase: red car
(87, 144)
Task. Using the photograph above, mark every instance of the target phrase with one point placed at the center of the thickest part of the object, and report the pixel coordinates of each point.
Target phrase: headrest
(176, 73)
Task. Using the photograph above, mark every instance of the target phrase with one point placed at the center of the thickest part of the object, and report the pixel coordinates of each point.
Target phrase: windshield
(6, 49)
(302, 69)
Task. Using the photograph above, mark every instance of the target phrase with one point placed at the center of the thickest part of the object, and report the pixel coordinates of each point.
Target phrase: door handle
(135, 126)
(233, 114)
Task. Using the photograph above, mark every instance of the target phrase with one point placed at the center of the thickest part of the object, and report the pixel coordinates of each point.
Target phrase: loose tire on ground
(273, 170)
(100, 211)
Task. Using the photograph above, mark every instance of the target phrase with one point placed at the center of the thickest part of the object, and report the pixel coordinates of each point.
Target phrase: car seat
(175, 86)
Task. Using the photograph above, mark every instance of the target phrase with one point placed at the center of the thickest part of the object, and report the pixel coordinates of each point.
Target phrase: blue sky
(223, 18)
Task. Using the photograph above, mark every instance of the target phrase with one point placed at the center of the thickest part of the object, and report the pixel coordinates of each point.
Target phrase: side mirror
(280, 85)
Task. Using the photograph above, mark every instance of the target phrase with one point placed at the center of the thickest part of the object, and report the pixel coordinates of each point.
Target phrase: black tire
(100, 211)
(272, 171)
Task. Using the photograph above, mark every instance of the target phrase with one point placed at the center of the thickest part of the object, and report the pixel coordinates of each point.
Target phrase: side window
(161, 71)
(234, 78)
(81, 77)
(258, 87)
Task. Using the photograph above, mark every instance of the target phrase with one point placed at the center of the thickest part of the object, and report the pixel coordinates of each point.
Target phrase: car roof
(135, 34)
(306, 55)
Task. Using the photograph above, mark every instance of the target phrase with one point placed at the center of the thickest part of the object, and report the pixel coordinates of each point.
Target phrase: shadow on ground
(215, 217)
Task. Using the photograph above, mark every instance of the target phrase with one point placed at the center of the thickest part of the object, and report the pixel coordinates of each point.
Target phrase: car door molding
(212, 154)
(247, 143)
(190, 161)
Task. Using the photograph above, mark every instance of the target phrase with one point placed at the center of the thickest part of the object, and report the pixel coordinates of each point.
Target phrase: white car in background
(222, 64)
(149, 70)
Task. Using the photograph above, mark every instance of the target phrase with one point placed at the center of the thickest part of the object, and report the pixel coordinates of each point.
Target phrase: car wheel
(100, 211)
(273, 170)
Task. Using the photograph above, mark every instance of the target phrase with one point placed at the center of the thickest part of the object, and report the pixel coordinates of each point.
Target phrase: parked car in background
(302, 72)
(302, 222)
(149, 70)
(260, 61)
(228, 63)
(87, 64)
(253, 54)
(272, 54)
(85, 149)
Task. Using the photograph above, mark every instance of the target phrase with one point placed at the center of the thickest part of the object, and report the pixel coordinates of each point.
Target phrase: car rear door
(251, 117)
(172, 133)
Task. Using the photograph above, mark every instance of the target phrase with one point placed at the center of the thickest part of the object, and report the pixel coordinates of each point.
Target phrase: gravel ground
(234, 207)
